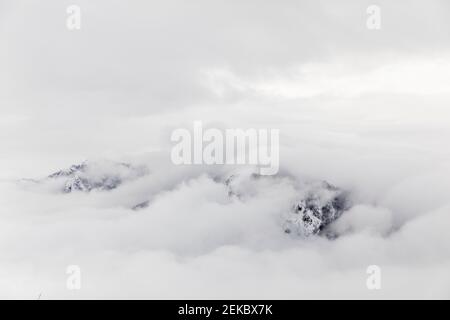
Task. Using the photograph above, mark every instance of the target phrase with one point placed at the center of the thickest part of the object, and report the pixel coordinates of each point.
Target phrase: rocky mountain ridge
(317, 206)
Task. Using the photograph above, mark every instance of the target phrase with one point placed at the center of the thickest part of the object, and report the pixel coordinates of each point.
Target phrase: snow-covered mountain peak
(316, 205)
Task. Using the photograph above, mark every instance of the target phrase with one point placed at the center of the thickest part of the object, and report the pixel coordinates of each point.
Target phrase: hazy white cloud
(420, 76)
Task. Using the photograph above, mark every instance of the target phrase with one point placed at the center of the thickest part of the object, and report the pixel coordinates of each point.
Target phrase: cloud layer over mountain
(366, 111)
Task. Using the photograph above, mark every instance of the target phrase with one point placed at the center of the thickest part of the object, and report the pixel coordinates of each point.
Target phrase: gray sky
(367, 110)
(146, 65)
(139, 57)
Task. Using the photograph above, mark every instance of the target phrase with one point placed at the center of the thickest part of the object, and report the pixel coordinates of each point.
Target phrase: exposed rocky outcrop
(88, 176)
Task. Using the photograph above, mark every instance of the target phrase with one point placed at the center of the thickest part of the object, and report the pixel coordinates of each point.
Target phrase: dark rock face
(141, 205)
(311, 214)
(72, 170)
(319, 204)
(76, 183)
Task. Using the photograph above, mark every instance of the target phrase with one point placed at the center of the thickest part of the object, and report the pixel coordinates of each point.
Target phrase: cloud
(420, 76)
